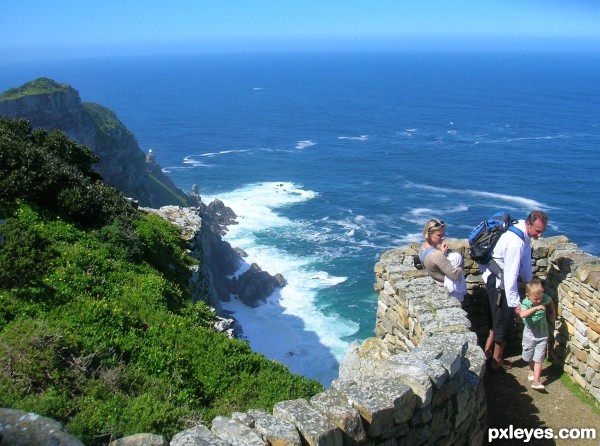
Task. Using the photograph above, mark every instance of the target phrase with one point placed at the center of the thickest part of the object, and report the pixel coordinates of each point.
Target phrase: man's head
(536, 224)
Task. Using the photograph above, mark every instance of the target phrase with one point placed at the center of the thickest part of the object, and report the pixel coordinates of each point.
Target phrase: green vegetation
(166, 193)
(105, 122)
(38, 86)
(97, 329)
(580, 393)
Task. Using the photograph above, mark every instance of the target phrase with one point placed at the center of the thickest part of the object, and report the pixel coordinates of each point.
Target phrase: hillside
(97, 326)
(52, 106)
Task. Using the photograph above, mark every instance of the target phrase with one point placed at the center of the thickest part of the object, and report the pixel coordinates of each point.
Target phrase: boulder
(255, 285)
(19, 428)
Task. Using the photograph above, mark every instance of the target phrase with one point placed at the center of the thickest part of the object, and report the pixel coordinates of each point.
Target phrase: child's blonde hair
(534, 288)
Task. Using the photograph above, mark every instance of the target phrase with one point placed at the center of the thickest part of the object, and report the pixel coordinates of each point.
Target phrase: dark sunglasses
(437, 224)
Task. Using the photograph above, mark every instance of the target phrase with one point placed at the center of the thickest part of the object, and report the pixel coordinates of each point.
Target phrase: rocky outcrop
(52, 106)
(203, 228)
(223, 261)
(255, 285)
(61, 109)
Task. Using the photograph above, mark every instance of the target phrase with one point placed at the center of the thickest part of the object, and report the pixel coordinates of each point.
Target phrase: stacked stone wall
(571, 278)
(573, 282)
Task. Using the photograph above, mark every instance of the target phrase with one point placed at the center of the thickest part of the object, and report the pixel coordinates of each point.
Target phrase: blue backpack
(485, 235)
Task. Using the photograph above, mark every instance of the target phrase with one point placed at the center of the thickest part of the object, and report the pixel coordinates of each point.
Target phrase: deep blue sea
(330, 159)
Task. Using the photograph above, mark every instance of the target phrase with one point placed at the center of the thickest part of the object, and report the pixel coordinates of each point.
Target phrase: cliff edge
(52, 106)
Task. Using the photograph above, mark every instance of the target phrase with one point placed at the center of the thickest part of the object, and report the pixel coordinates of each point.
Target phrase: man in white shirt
(513, 255)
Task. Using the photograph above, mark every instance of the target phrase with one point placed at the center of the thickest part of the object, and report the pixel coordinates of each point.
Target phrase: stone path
(511, 400)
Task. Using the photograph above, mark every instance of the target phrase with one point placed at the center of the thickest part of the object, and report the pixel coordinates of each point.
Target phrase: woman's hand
(444, 247)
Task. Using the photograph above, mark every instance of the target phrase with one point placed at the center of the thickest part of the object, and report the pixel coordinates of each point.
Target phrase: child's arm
(529, 311)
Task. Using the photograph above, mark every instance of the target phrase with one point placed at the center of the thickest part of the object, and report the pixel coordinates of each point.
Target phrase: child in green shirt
(533, 311)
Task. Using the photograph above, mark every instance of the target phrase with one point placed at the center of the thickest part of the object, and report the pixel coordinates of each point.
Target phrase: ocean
(330, 159)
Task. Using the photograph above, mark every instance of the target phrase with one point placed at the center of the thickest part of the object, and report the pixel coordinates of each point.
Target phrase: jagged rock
(280, 280)
(241, 252)
(222, 260)
(255, 285)
(201, 227)
(227, 326)
(221, 216)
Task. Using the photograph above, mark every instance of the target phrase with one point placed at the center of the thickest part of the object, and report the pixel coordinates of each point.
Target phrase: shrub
(55, 173)
(161, 245)
(35, 356)
(25, 254)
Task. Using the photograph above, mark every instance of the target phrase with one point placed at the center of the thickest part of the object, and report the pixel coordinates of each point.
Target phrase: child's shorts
(534, 348)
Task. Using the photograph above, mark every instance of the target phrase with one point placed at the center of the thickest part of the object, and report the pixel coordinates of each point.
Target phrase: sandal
(506, 365)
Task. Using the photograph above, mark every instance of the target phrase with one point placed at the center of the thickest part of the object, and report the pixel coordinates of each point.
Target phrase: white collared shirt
(513, 255)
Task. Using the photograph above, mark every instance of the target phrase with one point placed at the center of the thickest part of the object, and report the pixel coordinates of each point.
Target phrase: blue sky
(65, 28)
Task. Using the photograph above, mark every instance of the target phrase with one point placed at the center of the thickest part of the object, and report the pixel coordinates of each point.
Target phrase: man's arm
(526, 271)
(512, 268)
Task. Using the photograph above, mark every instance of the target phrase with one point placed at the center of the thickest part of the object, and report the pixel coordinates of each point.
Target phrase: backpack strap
(493, 266)
(513, 228)
(424, 254)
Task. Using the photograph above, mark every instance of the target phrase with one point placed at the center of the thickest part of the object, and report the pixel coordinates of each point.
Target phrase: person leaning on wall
(433, 254)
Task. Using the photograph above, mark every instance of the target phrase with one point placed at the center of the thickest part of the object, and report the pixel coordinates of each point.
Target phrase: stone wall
(419, 381)
(571, 278)
(573, 281)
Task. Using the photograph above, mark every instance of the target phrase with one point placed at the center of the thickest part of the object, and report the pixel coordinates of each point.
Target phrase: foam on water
(304, 144)
(521, 201)
(355, 138)
(289, 327)
(527, 138)
(212, 154)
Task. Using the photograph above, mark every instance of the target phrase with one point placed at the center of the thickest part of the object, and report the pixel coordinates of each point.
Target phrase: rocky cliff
(202, 228)
(52, 106)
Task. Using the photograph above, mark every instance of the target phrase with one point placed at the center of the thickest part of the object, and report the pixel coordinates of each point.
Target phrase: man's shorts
(534, 348)
(503, 316)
